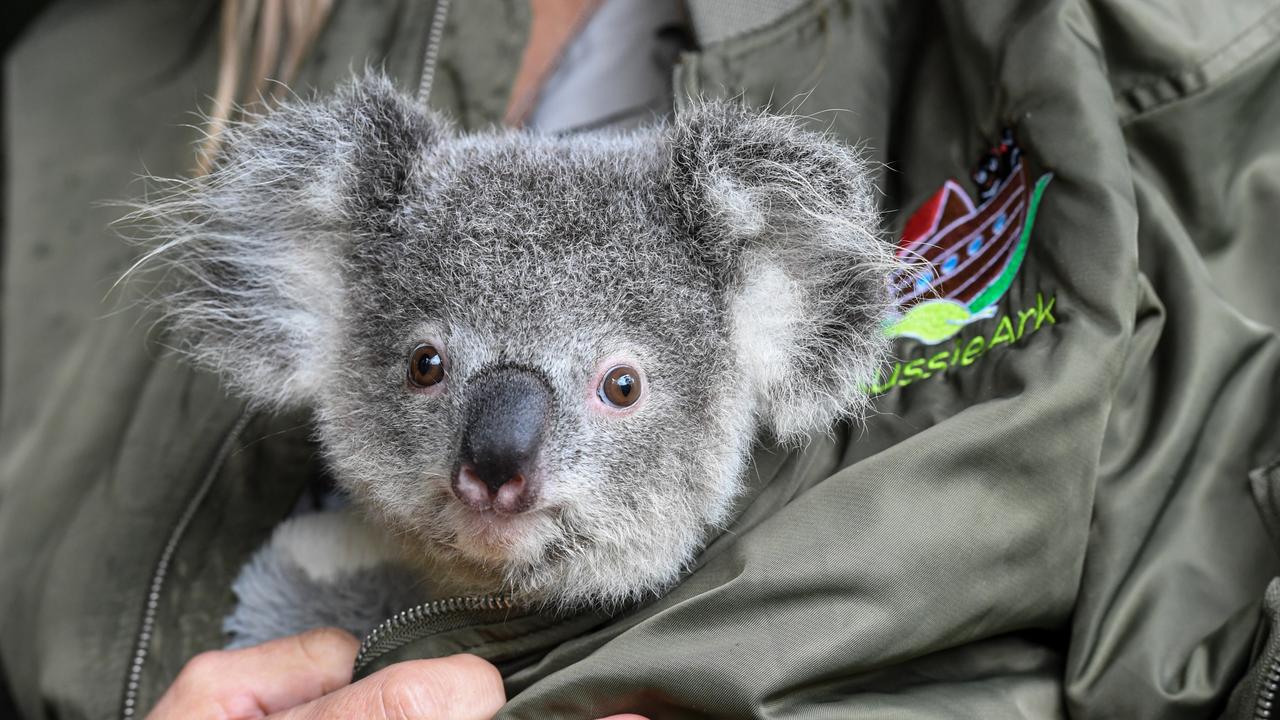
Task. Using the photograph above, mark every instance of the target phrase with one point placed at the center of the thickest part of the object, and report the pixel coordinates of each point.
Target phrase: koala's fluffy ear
(788, 218)
(253, 253)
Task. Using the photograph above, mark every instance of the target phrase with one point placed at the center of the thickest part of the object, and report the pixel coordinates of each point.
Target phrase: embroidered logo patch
(965, 254)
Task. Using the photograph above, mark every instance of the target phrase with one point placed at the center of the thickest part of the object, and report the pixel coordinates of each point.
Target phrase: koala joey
(538, 361)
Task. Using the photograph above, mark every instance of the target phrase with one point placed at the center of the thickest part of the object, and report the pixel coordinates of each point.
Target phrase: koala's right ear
(253, 253)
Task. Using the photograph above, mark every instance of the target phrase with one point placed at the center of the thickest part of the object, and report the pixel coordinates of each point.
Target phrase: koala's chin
(539, 361)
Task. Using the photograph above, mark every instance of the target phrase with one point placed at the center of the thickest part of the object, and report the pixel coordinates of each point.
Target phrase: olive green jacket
(1068, 507)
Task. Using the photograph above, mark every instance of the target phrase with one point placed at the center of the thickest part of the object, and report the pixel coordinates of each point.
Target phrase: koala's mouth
(489, 535)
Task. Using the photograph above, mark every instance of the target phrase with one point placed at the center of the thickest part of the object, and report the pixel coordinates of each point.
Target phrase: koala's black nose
(507, 414)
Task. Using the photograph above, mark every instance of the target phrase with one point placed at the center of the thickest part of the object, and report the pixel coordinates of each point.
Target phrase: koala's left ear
(787, 218)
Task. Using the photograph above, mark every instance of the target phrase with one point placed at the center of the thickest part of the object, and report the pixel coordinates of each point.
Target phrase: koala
(539, 362)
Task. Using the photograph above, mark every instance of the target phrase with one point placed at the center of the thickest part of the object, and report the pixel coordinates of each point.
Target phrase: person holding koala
(674, 402)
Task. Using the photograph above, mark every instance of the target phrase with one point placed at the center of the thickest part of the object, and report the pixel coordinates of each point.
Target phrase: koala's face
(540, 361)
(537, 375)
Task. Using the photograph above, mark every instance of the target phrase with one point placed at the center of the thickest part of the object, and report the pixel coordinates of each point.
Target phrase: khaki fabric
(1075, 520)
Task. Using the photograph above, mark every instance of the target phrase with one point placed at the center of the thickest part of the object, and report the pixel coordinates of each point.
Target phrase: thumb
(459, 687)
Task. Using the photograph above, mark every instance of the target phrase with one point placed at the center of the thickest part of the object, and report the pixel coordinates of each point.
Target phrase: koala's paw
(326, 569)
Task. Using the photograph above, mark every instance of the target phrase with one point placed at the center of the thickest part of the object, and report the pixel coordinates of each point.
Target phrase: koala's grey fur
(323, 569)
(731, 254)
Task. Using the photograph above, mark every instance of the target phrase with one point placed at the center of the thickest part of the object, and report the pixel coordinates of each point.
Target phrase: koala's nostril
(471, 490)
(514, 496)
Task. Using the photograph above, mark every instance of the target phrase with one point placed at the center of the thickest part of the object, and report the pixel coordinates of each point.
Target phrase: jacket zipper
(419, 621)
(142, 646)
(1267, 690)
(434, 36)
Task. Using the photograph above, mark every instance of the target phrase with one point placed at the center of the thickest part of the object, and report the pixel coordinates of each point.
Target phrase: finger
(262, 679)
(284, 673)
(460, 687)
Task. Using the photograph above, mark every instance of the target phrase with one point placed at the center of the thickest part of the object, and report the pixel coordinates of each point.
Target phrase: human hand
(308, 677)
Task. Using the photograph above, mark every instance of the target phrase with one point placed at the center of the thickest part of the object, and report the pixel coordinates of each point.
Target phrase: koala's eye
(426, 366)
(620, 387)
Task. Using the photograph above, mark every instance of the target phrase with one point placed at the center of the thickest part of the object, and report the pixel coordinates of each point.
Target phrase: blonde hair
(279, 34)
